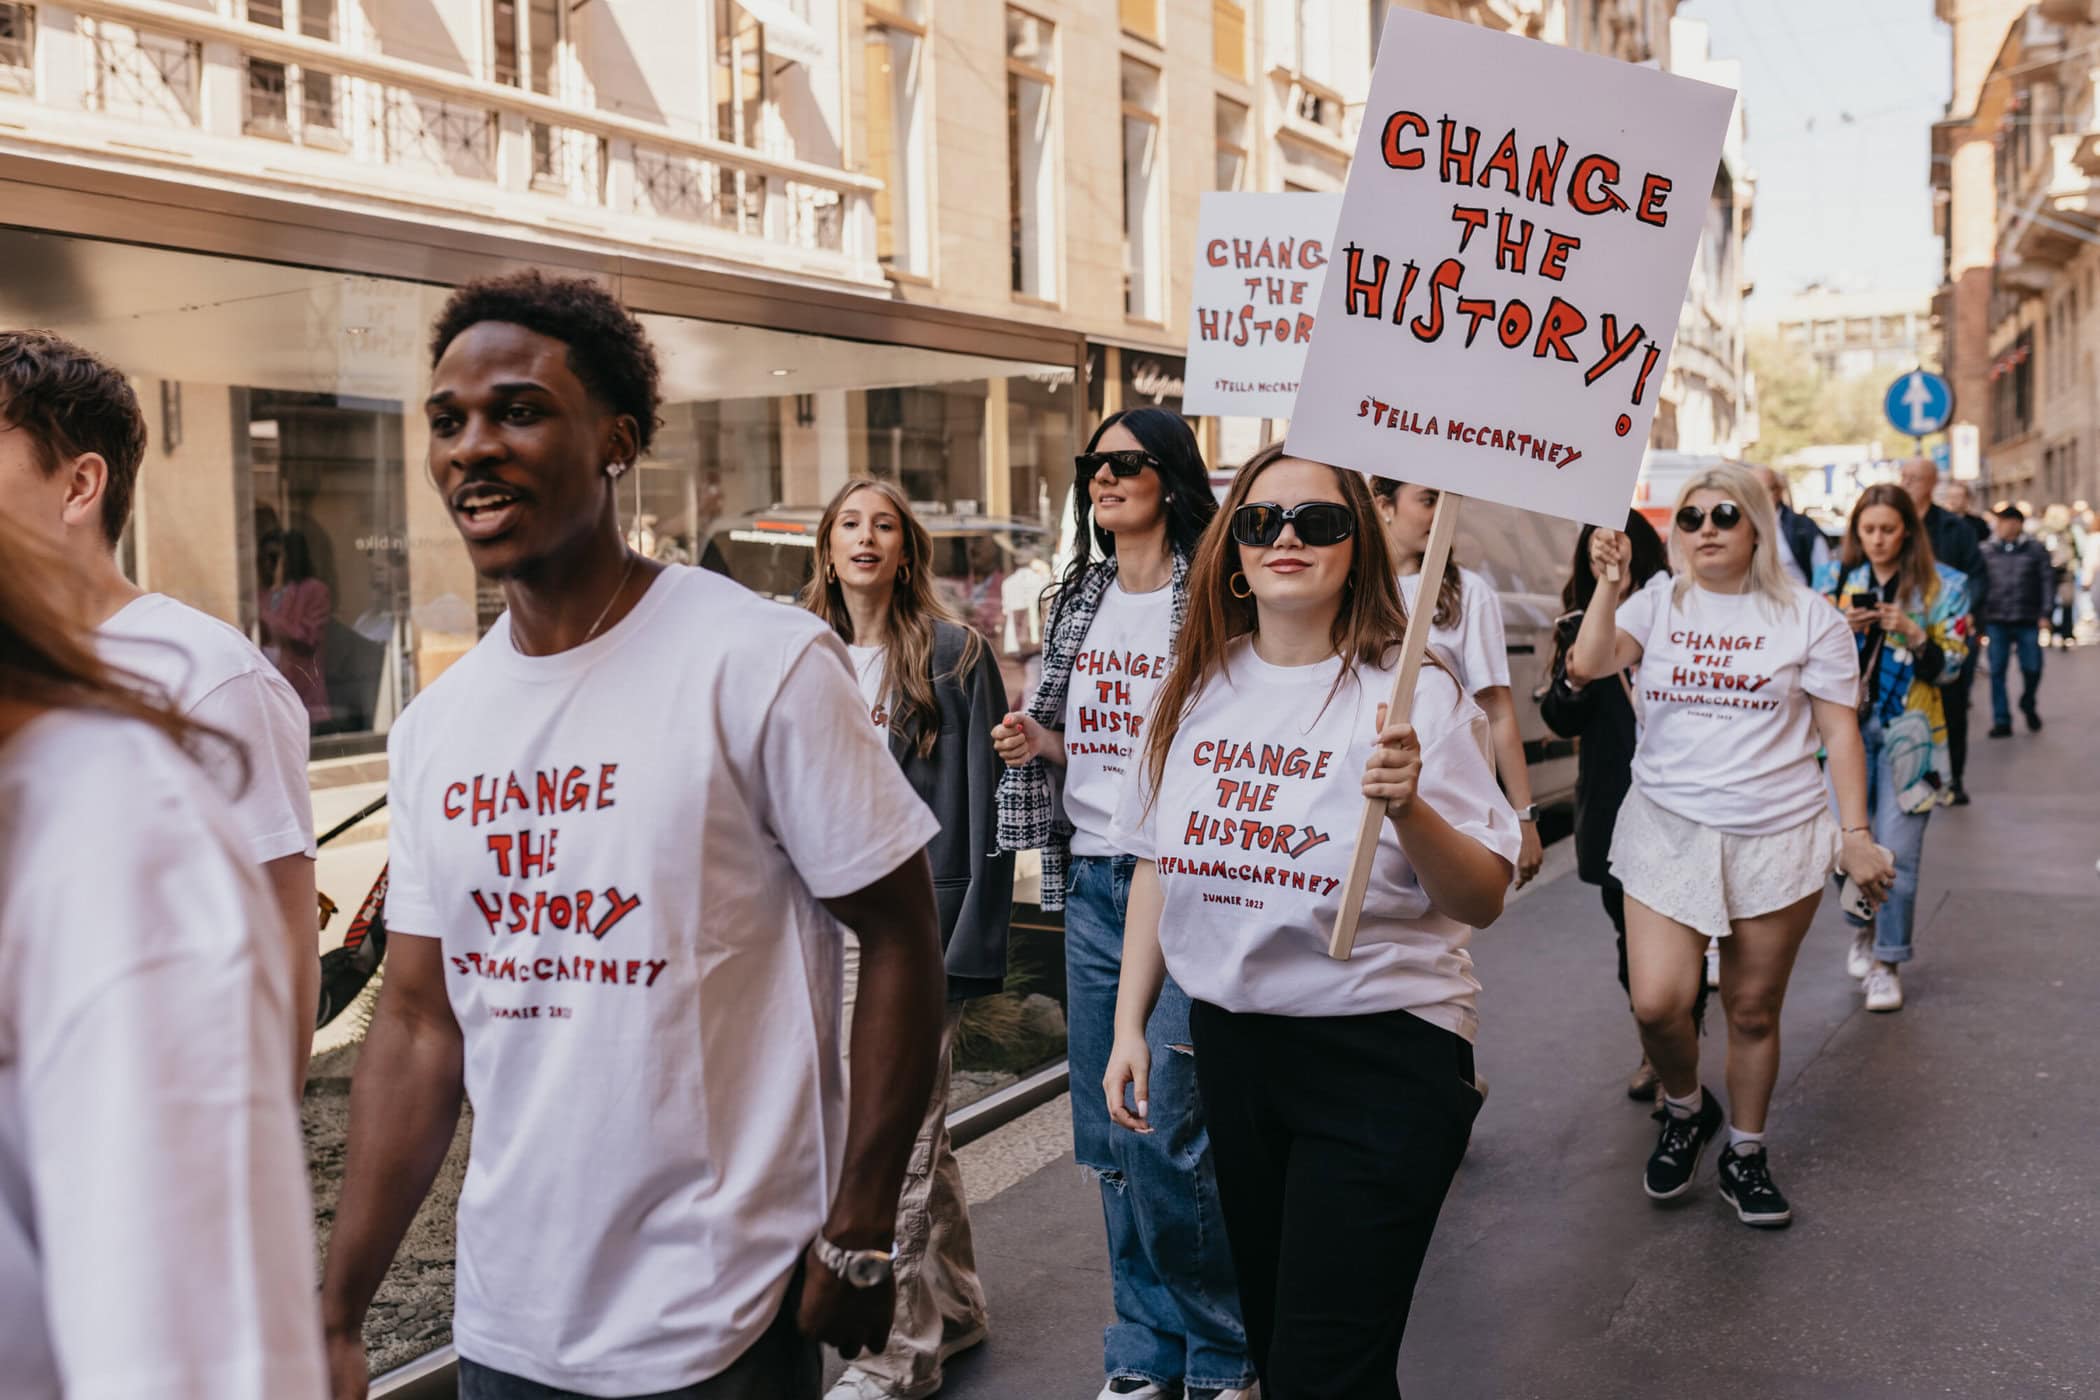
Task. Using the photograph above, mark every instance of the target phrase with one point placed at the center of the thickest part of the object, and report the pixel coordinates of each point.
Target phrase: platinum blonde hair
(1768, 576)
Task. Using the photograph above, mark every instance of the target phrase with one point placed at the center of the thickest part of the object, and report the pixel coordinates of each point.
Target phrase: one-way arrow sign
(1919, 403)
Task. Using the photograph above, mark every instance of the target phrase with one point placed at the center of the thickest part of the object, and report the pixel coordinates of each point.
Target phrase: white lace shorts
(1704, 878)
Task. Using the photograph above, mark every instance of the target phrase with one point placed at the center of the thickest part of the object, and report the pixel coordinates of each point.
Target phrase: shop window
(894, 49)
(325, 481)
(1232, 144)
(1144, 280)
(17, 47)
(1031, 153)
(1228, 38)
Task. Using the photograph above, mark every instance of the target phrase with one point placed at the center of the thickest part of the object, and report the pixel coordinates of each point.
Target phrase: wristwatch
(1529, 812)
(859, 1268)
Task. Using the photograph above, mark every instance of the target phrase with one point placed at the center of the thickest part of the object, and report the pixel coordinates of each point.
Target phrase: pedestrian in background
(1727, 832)
(1469, 636)
(1909, 616)
(630, 831)
(1602, 718)
(1807, 548)
(1141, 501)
(72, 445)
(2016, 598)
(933, 692)
(156, 1236)
(1340, 1093)
(1955, 539)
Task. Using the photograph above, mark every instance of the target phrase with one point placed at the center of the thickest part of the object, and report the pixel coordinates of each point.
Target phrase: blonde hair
(1768, 576)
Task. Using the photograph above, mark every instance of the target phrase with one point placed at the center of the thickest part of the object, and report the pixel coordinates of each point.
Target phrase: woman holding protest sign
(1603, 718)
(1271, 731)
(1909, 616)
(1141, 502)
(933, 686)
(1727, 831)
(1470, 639)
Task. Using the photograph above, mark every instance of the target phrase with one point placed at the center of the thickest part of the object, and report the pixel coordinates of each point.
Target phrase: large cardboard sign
(1507, 273)
(1260, 262)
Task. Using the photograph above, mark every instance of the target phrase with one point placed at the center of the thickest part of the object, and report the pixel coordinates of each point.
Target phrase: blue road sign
(1919, 403)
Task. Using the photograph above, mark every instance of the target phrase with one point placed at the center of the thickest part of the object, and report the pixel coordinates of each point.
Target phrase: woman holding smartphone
(1909, 616)
(1271, 731)
(1727, 831)
(933, 686)
(1603, 718)
(1141, 503)
(1469, 637)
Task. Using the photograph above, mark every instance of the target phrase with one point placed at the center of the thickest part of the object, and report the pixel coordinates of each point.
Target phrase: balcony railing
(423, 131)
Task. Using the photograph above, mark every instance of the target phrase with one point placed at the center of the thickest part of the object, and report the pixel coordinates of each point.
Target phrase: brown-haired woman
(1910, 621)
(145, 988)
(1241, 817)
(933, 686)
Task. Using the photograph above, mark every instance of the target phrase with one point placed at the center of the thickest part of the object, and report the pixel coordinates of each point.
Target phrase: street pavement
(1941, 1160)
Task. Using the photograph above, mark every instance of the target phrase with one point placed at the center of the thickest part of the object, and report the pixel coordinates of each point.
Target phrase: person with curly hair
(629, 832)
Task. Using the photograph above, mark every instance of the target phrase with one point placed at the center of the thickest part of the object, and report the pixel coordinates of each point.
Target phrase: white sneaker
(1148, 1391)
(856, 1384)
(1884, 989)
(1860, 961)
(1251, 1392)
(1713, 962)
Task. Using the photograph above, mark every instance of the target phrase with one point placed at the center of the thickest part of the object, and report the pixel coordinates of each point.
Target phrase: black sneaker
(2001, 731)
(2034, 719)
(1746, 1184)
(1678, 1148)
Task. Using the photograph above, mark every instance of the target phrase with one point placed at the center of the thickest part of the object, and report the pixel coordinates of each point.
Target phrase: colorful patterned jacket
(1899, 689)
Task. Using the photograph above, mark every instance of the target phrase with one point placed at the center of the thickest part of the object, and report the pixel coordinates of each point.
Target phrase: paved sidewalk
(1944, 1162)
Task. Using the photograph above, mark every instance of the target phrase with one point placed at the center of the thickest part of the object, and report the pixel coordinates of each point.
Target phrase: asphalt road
(1943, 1162)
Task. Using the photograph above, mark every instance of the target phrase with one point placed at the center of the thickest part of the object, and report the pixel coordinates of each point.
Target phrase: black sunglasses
(1727, 515)
(1320, 523)
(1124, 464)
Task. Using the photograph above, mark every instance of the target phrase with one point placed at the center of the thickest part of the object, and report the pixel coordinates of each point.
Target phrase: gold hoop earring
(904, 573)
(831, 574)
(1234, 583)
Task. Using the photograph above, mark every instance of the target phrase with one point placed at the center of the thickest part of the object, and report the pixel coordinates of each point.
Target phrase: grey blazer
(973, 882)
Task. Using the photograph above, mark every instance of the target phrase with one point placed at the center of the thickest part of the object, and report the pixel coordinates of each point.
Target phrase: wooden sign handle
(1420, 621)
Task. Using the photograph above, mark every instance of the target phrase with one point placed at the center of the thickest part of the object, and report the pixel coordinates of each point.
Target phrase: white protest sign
(1260, 260)
(1508, 270)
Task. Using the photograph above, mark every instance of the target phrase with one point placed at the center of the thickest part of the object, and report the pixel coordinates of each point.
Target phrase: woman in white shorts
(1727, 832)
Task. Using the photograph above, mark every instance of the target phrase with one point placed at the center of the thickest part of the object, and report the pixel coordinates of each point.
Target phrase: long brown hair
(914, 608)
(1449, 597)
(1914, 563)
(48, 660)
(1367, 629)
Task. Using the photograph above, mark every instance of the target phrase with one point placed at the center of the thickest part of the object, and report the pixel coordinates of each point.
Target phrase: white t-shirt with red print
(1255, 825)
(1724, 682)
(622, 848)
(1116, 676)
(1476, 646)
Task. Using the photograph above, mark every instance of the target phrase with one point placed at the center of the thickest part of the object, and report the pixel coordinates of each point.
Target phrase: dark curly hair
(70, 404)
(608, 349)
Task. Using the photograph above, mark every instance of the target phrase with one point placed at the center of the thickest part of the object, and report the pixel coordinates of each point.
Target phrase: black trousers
(1335, 1139)
(1954, 696)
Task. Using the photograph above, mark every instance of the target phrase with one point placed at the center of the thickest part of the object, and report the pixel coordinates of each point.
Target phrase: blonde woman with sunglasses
(1743, 675)
(1271, 731)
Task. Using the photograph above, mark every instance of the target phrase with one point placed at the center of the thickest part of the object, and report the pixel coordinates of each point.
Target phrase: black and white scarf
(1030, 816)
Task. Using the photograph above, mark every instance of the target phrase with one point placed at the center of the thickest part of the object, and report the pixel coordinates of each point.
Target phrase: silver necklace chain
(603, 612)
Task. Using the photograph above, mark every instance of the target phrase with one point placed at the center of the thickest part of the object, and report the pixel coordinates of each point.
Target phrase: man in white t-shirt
(71, 442)
(627, 830)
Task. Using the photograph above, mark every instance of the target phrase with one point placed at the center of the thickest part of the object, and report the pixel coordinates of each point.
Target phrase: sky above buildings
(1840, 97)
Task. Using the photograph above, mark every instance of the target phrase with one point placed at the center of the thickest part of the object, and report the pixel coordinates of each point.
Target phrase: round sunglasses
(1125, 464)
(1319, 523)
(1726, 516)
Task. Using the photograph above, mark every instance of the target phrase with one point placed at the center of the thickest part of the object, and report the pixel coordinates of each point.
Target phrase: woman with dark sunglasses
(1602, 717)
(1141, 502)
(1340, 1094)
(1727, 832)
(1468, 635)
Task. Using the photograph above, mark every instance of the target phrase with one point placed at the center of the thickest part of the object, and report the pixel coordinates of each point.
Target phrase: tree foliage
(1797, 406)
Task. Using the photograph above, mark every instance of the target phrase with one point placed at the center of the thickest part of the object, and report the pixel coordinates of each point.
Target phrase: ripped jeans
(1177, 1304)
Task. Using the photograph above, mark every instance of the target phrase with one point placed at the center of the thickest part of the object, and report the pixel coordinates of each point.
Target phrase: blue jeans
(1177, 1302)
(1902, 832)
(2004, 637)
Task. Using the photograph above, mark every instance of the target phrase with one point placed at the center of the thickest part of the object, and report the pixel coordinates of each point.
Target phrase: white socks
(1740, 1141)
(1684, 1108)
